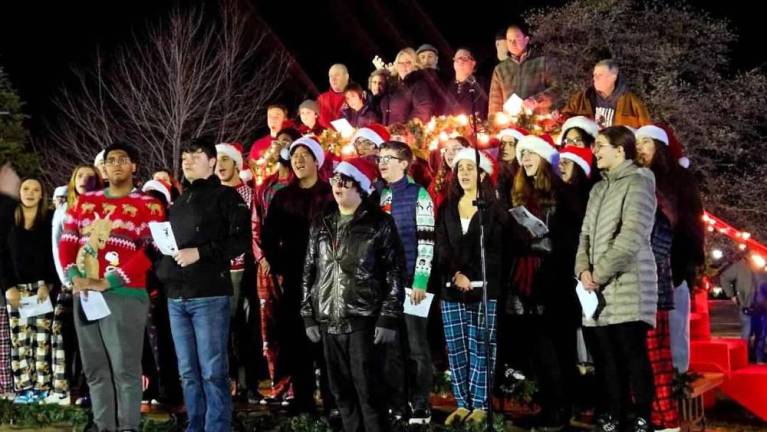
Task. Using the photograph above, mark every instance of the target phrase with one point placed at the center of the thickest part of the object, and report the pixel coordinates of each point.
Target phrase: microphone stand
(481, 204)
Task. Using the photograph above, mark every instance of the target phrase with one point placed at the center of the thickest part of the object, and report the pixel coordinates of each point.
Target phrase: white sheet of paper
(94, 306)
(421, 309)
(343, 127)
(523, 217)
(29, 307)
(513, 105)
(588, 299)
(162, 234)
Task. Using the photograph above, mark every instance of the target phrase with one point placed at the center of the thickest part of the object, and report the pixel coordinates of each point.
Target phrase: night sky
(40, 41)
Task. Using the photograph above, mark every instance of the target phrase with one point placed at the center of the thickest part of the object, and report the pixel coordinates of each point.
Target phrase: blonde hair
(72, 193)
(411, 52)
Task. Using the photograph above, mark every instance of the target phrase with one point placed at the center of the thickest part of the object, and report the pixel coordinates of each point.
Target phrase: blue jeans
(200, 328)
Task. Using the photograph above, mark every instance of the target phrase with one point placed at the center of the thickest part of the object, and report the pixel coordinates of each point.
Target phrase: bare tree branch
(193, 73)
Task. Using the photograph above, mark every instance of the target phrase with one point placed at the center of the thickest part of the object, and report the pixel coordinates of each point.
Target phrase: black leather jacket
(355, 277)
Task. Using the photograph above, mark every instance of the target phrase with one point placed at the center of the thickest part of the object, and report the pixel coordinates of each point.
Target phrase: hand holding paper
(162, 234)
(421, 309)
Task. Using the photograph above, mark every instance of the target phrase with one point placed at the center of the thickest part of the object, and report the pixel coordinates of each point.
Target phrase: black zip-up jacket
(354, 277)
(213, 218)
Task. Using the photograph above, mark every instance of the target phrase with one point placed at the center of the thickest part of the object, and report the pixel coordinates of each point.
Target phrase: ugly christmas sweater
(413, 211)
(122, 258)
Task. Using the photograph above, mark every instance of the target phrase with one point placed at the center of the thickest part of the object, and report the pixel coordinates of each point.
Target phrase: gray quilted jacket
(615, 245)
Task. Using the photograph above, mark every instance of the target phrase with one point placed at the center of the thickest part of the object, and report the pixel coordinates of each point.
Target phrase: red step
(725, 355)
(747, 386)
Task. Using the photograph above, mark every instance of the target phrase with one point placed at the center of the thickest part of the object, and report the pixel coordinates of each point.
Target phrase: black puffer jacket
(214, 219)
(354, 276)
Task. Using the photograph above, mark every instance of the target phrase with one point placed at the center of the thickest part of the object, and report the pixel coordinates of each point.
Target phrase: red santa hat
(542, 145)
(233, 150)
(374, 132)
(361, 170)
(583, 157)
(314, 147)
(664, 134)
(470, 154)
(581, 122)
(516, 132)
(159, 186)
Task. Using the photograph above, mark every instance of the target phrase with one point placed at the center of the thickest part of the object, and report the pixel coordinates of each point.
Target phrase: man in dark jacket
(353, 293)
(211, 224)
(283, 240)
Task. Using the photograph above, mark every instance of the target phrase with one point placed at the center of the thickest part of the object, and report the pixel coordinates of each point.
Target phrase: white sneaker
(58, 399)
(10, 396)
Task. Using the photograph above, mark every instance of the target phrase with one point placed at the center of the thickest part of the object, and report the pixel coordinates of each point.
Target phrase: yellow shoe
(456, 416)
(477, 416)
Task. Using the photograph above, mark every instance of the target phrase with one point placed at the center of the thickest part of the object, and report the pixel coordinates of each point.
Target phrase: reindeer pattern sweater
(122, 258)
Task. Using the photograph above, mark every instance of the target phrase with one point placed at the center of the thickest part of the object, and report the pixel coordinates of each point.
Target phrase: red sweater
(330, 104)
(122, 262)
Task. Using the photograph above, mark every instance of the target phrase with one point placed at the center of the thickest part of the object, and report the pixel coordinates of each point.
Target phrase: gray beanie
(426, 47)
(310, 104)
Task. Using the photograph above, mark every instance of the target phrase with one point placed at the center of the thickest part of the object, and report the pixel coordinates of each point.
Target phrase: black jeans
(355, 381)
(407, 366)
(623, 368)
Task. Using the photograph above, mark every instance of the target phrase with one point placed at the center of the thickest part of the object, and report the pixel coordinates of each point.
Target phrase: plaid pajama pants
(6, 377)
(30, 346)
(664, 407)
(59, 360)
(269, 296)
(466, 351)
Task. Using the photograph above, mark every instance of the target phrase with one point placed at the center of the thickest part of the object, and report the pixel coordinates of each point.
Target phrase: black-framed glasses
(341, 180)
(386, 159)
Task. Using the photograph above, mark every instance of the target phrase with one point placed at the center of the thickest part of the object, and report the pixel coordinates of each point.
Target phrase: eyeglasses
(462, 59)
(570, 141)
(341, 181)
(364, 143)
(386, 159)
(117, 161)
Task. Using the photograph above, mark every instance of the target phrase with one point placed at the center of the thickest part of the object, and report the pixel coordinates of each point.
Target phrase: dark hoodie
(604, 108)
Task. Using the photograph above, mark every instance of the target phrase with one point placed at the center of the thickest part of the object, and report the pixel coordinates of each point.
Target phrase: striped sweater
(122, 260)
(413, 211)
(615, 245)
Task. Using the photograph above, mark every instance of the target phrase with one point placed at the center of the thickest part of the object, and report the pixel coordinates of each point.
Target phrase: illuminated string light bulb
(501, 119)
(717, 254)
(462, 120)
(758, 260)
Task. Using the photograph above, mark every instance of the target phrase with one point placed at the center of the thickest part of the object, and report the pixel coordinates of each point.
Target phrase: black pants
(407, 366)
(623, 368)
(355, 381)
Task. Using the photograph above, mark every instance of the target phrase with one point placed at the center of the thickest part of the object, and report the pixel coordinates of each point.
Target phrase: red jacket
(330, 104)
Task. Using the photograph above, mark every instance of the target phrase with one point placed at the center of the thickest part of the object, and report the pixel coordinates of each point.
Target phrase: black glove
(384, 335)
(313, 333)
